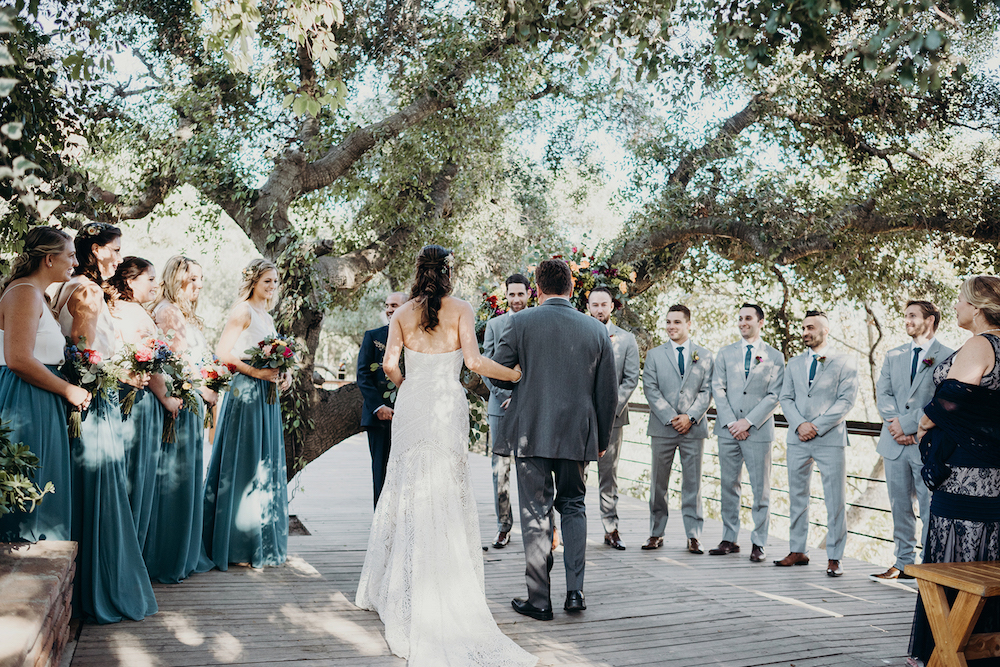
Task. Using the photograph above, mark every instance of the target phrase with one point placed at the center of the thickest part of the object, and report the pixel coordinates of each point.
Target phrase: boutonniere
(380, 345)
(928, 362)
(821, 360)
(757, 360)
(694, 357)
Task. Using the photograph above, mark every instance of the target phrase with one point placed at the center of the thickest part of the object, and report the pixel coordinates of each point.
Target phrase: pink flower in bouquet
(93, 356)
(143, 354)
(287, 353)
(267, 350)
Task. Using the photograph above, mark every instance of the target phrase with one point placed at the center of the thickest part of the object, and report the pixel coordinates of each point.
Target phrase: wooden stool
(952, 625)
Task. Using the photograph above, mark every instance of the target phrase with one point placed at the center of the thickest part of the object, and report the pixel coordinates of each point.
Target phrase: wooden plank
(644, 608)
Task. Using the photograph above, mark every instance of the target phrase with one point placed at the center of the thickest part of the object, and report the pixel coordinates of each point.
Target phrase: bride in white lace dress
(423, 572)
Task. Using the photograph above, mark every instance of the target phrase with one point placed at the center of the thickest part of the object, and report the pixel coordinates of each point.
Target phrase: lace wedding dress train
(423, 571)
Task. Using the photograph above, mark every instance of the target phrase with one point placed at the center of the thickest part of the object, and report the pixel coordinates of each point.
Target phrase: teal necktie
(812, 370)
(680, 359)
(913, 366)
(746, 362)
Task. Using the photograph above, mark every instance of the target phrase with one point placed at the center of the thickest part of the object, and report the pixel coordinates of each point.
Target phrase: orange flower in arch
(622, 287)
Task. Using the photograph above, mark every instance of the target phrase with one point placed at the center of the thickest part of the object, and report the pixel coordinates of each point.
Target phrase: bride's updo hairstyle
(431, 283)
(983, 292)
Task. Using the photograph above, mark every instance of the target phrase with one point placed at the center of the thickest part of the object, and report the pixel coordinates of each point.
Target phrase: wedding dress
(423, 571)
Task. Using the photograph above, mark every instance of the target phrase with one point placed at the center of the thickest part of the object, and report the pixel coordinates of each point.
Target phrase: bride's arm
(393, 348)
(476, 362)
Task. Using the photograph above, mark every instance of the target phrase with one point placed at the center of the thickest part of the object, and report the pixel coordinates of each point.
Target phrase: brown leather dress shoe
(614, 540)
(833, 568)
(694, 546)
(891, 573)
(757, 554)
(502, 539)
(725, 547)
(794, 558)
(652, 543)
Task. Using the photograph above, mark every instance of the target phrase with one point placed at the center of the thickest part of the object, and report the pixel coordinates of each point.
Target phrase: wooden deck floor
(665, 607)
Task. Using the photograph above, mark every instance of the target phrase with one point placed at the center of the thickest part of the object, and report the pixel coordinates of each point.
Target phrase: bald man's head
(394, 301)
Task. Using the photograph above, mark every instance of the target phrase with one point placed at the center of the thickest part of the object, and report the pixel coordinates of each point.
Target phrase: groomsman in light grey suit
(746, 381)
(600, 304)
(677, 381)
(518, 289)
(819, 390)
(560, 417)
(904, 387)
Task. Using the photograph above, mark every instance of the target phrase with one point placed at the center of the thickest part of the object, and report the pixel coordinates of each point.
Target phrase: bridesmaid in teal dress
(134, 284)
(33, 395)
(111, 581)
(174, 549)
(246, 503)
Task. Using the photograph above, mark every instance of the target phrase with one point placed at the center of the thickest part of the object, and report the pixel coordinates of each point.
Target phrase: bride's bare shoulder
(454, 304)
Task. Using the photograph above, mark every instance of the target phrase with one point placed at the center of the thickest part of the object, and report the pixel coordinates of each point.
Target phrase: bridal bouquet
(146, 358)
(85, 367)
(216, 376)
(179, 385)
(273, 352)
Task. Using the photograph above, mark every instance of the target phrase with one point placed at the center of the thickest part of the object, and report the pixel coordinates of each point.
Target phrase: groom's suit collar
(557, 301)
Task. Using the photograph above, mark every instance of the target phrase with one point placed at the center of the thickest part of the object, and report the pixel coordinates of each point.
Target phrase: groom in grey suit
(677, 382)
(746, 381)
(904, 387)
(560, 417)
(819, 390)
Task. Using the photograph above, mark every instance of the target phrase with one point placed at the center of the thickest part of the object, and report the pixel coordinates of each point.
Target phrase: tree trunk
(336, 415)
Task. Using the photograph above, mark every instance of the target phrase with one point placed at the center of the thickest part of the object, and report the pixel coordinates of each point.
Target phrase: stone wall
(36, 591)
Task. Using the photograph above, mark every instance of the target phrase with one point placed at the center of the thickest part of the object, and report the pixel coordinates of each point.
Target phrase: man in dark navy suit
(376, 414)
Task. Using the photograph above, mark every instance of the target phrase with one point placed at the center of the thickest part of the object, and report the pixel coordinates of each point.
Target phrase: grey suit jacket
(754, 396)
(626, 369)
(670, 395)
(896, 397)
(826, 403)
(564, 405)
(494, 328)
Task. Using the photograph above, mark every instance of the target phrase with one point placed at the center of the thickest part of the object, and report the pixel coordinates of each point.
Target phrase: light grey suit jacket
(754, 396)
(564, 405)
(626, 369)
(826, 403)
(896, 397)
(494, 329)
(670, 395)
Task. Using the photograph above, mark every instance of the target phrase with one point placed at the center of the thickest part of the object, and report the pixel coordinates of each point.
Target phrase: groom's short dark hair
(927, 309)
(553, 277)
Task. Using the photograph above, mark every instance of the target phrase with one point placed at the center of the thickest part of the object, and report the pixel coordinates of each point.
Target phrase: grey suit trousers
(692, 511)
(831, 461)
(757, 456)
(607, 478)
(501, 481)
(904, 484)
(538, 495)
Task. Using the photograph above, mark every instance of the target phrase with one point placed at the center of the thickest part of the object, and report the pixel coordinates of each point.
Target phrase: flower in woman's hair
(928, 362)
(93, 229)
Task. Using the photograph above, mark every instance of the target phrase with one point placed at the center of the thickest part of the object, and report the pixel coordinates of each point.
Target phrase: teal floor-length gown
(142, 431)
(246, 503)
(174, 549)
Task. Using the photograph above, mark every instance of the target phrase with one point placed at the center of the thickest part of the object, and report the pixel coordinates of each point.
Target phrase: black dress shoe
(757, 554)
(528, 609)
(574, 602)
(725, 547)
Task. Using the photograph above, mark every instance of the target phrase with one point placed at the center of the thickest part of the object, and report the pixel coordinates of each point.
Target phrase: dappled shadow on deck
(663, 607)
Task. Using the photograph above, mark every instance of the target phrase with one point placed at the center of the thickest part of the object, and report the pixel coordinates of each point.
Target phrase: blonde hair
(251, 275)
(176, 272)
(983, 292)
(39, 243)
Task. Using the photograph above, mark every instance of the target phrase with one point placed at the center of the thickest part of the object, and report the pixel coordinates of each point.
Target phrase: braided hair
(94, 235)
(431, 283)
(39, 243)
